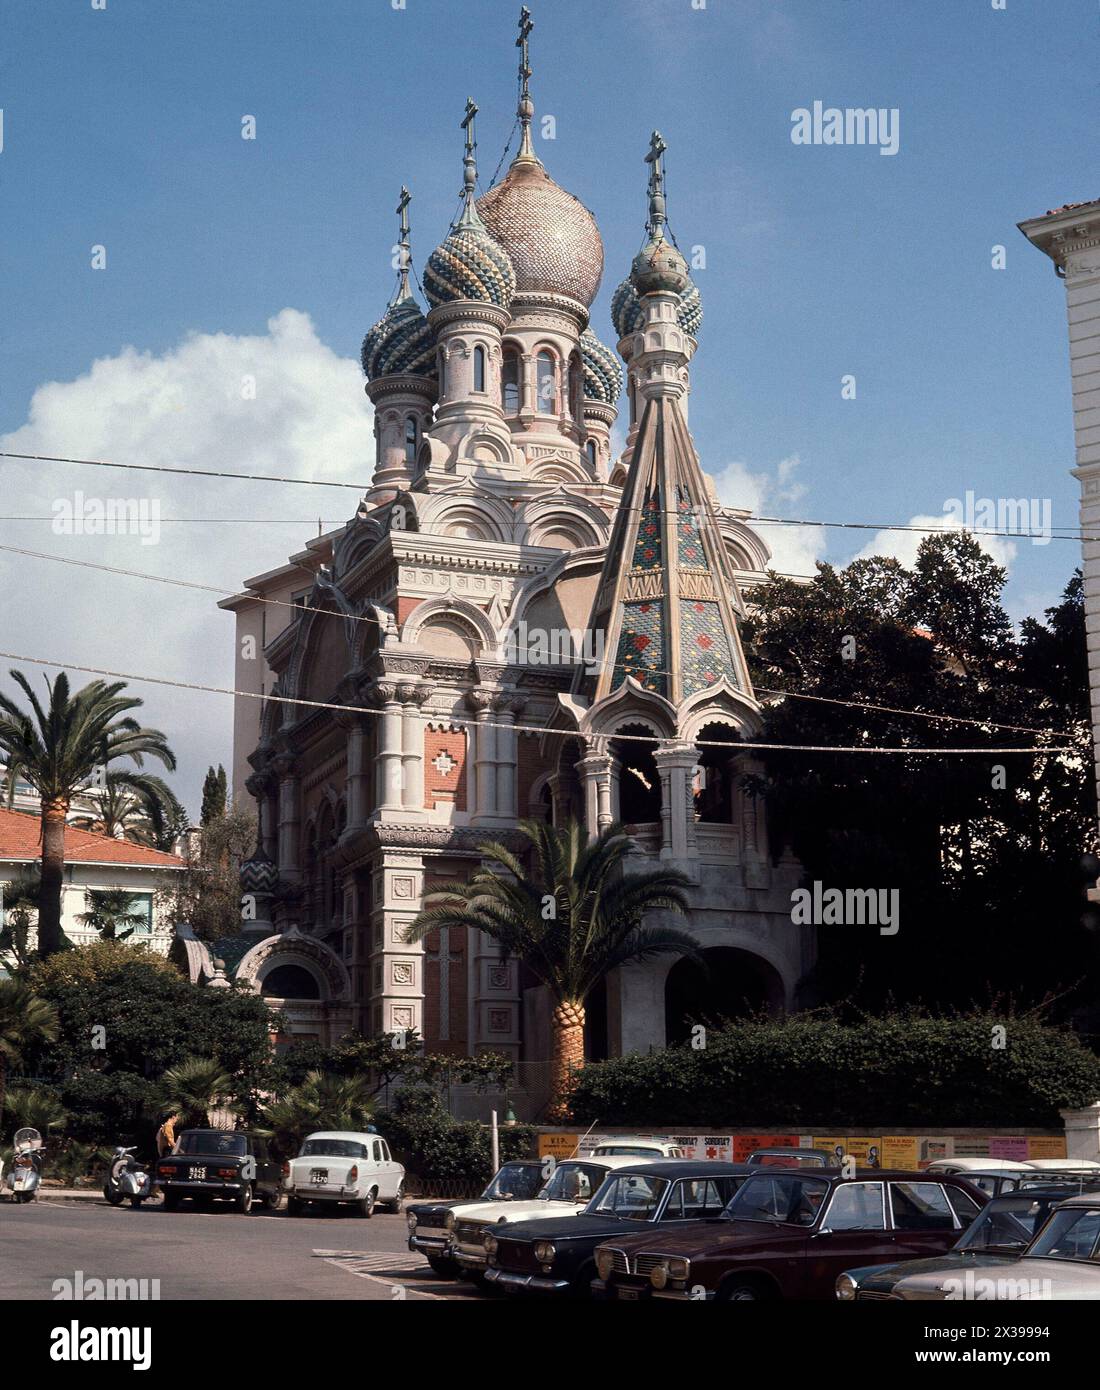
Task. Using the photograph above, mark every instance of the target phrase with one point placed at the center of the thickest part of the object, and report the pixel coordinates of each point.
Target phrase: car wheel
(171, 1201)
(740, 1292)
(243, 1201)
(294, 1206)
(394, 1204)
(447, 1269)
(274, 1200)
(366, 1206)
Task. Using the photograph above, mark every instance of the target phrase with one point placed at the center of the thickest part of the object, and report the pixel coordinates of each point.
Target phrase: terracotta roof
(19, 841)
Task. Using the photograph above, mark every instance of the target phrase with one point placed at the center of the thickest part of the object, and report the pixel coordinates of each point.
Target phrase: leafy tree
(436, 1147)
(111, 913)
(983, 850)
(214, 792)
(192, 1088)
(322, 1101)
(138, 807)
(35, 1107)
(206, 895)
(56, 749)
(571, 918)
(20, 899)
(27, 1020)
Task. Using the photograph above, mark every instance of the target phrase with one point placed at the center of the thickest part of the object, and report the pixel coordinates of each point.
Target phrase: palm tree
(20, 904)
(111, 912)
(193, 1088)
(25, 1021)
(571, 918)
(34, 1107)
(135, 806)
(322, 1101)
(56, 750)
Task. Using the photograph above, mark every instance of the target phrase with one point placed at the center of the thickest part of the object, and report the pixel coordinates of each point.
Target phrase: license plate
(628, 1293)
(196, 1174)
(318, 1175)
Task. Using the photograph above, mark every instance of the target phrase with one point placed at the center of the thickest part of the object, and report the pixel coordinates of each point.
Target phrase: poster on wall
(1008, 1146)
(705, 1146)
(558, 1146)
(866, 1152)
(744, 1144)
(933, 1148)
(1045, 1146)
(835, 1145)
(900, 1151)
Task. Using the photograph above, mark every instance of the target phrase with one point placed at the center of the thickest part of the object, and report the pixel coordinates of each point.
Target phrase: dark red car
(789, 1233)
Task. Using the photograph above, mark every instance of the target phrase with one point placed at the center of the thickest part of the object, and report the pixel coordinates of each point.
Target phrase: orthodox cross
(526, 106)
(469, 163)
(655, 158)
(445, 960)
(403, 241)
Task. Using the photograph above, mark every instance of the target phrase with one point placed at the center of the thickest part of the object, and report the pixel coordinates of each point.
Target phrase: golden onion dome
(551, 238)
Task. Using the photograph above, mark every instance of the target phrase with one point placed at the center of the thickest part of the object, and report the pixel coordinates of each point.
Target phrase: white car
(962, 1166)
(627, 1146)
(569, 1188)
(344, 1166)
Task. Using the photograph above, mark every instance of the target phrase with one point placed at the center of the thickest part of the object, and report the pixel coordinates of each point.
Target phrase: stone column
(676, 765)
(286, 769)
(485, 754)
(390, 771)
(507, 709)
(595, 770)
(359, 773)
(412, 696)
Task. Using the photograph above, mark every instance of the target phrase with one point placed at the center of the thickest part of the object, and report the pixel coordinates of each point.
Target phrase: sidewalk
(72, 1194)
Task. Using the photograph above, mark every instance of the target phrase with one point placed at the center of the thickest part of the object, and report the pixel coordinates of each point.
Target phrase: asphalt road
(214, 1255)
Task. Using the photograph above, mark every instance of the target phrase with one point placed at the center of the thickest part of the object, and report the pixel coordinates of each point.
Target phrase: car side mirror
(824, 1231)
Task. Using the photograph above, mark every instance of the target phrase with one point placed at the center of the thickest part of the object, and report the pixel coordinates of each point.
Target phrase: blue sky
(122, 128)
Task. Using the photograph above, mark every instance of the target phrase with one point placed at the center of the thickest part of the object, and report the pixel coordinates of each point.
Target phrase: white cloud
(794, 548)
(903, 545)
(189, 407)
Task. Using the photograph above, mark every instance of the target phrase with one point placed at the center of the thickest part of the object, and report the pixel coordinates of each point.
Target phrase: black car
(220, 1164)
(556, 1256)
(432, 1235)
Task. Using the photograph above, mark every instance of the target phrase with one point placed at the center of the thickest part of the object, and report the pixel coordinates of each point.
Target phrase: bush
(433, 1146)
(902, 1069)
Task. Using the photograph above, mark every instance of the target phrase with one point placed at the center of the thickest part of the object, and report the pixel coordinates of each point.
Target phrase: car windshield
(518, 1182)
(632, 1196)
(333, 1148)
(1007, 1223)
(212, 1141)
(785, 1199)
(632, 1150)
(573, 1182)
(1071, 1234)
(763, 1159)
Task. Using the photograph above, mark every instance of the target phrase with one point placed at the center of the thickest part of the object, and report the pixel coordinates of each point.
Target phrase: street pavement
(214, 1254)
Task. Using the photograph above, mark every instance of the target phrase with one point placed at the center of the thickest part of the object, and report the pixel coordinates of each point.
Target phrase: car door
(853, 1230)
(266, 1176)
(385, 1170)
(923, 1221)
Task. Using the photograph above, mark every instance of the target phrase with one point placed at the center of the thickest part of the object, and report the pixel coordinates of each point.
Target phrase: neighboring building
(92, 862)
(501, 543)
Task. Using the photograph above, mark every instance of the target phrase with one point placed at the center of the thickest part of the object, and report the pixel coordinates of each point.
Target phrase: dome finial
(526, 108)
(404, 254)
(469, 161)
(655, 158)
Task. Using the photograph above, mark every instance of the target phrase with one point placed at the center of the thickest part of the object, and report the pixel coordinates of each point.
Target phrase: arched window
(410, 439)
(509, 384)
(576, 390)
(545, 385)
(590, 452)
(479, 369)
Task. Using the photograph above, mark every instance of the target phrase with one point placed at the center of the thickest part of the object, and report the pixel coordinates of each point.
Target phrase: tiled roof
(20, 841)
(1069, 207)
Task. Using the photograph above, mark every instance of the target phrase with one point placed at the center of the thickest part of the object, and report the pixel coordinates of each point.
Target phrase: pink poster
(1003, 1146)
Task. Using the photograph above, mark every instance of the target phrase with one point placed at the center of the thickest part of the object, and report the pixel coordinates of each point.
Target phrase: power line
(460, 722)
(186, 472)
(577, 661)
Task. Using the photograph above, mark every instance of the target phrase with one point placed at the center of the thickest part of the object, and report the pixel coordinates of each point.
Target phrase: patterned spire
(667, 599)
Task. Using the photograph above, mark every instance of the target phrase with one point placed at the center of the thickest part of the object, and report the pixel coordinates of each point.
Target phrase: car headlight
(491, 1244)
(679, 1269)
(846, 1287)
(658, 1275)
(449, 1221)
(545, 1252)
(410, 1217)
(604, 1263)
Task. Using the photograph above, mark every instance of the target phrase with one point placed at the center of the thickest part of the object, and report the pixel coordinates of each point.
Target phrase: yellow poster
(1045, 1146)
(866, 1152)
(900, 1151)
(558, 1146)
(835, 1147)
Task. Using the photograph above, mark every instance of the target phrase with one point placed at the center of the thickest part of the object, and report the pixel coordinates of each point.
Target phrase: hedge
(433, 1146)
(901, 1069)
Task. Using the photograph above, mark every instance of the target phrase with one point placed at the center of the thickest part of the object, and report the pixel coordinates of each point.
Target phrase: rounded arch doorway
(726, 983)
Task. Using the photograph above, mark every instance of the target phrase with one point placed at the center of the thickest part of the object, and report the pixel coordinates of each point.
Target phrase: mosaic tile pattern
(641, 652)
(704, 648)
(689, 543)
(603, 373)
(647, 546)
(469, 265)
(400, 343)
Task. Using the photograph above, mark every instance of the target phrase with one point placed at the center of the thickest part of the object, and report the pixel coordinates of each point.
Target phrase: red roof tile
(20, 841)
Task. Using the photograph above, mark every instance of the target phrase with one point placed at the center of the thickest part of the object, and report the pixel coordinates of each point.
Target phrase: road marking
(373, 1265)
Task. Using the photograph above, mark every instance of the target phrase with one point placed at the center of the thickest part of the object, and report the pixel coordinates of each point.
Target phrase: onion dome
(659, 266)
(627, 314)
(603, 373)
(400, 343)
(259, 873)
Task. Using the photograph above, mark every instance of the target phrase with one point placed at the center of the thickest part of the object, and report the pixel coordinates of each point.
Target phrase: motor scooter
(128, 1179)
(25, 1172)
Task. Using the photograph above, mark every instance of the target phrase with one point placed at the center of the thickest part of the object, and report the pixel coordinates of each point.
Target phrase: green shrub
(902, 1069)
(433, 1146)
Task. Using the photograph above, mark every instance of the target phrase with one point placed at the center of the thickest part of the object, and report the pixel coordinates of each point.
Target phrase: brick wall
(445, 785)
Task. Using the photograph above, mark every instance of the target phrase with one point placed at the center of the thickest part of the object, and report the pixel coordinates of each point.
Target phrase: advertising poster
(744, 1144)
(866, 1152)
(931, 1149)
(1008, 1146)
(558, 1146)
(972, 1146)
(705, 1146)
(1045, 1146)
(834, 1145)
(900, 1151)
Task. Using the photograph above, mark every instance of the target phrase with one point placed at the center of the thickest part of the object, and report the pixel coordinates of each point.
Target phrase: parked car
(429, 1232)
(629, 1146)
(965, 1166)
(558, 1256)
(994, 1184)
(1000, 1232)
(570, 1187)
(347, 1167)
(781, 1157)
(1065, 1165)
(220, 1164)
(788, 1234)
(1061, 1263)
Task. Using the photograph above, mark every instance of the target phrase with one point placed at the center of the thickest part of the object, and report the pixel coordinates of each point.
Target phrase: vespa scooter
(25, 1172)
(128, 1179)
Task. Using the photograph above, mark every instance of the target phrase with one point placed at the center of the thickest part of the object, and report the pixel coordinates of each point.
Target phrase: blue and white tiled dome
(469, 265)
(258, 874)
(628, 316)
(401, 343)
(603, 373)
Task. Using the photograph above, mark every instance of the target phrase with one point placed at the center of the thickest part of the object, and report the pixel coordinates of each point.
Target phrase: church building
(515, 623)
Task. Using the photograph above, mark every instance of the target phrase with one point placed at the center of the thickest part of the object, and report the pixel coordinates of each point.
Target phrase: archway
(729, 983)
(290, 981)
(639, 780)
(716, 777)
